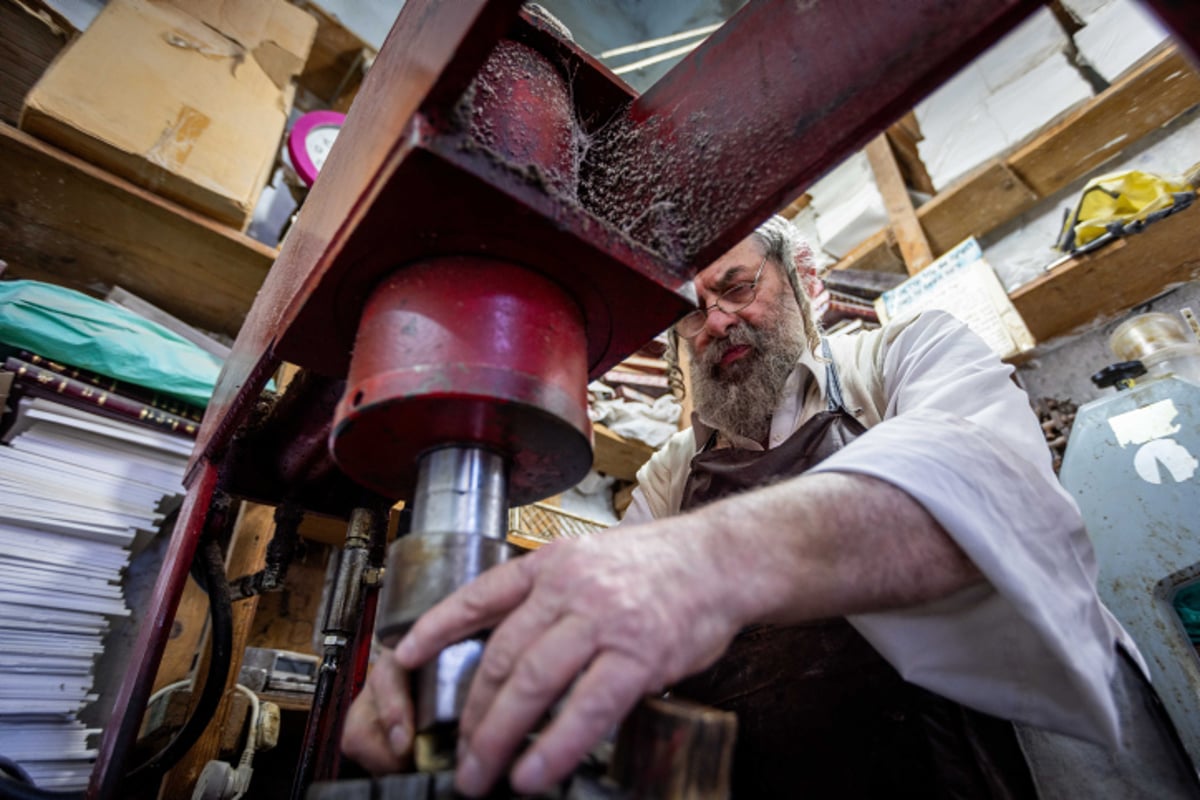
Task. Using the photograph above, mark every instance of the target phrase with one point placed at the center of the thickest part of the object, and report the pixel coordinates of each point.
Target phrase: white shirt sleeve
(638, 511)
(1033, 644)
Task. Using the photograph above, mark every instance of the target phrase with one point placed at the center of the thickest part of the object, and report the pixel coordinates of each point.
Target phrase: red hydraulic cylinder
(467, 350)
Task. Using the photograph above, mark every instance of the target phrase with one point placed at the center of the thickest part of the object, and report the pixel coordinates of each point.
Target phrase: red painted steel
(477, 350)
(467, 350)
(121, 733)
(776, 97)
(521, 112)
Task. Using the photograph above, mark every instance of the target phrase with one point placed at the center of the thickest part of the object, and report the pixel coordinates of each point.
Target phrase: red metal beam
(1183, 18)
(777, 96)
(121, 732)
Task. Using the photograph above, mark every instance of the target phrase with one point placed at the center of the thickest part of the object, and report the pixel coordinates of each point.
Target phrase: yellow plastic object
(1120, 204)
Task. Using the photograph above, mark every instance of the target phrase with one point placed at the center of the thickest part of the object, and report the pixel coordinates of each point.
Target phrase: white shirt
(947, 425)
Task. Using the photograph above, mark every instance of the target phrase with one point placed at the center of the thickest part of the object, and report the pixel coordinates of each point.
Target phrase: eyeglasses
(731, 301)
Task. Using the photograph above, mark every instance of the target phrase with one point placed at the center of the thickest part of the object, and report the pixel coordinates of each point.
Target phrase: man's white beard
(741, 397)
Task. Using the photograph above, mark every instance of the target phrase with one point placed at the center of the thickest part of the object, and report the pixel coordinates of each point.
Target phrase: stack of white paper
(1010, 91)
(847, 205)
(1116, 34)
(75, 489)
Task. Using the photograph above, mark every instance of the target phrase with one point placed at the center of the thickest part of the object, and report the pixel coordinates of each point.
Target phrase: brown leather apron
(820, 712)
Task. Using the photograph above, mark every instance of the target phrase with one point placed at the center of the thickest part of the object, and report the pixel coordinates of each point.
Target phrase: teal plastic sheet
(1187, 605)
(68, 326)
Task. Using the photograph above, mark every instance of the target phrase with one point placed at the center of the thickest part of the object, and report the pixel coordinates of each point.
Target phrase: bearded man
(859, 546)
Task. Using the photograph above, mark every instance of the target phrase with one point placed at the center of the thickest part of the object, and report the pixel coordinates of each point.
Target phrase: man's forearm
(826, 545)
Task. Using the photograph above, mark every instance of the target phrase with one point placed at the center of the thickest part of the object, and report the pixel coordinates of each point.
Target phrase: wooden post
(247, 554)
(914, 247)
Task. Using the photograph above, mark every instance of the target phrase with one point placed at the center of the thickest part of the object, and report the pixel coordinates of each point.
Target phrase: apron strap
(833, 386)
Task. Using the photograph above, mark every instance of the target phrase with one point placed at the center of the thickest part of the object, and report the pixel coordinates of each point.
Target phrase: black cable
(14, 770)
(221, 638)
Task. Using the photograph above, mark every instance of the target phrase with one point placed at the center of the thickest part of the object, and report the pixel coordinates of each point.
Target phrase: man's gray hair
(785, 247)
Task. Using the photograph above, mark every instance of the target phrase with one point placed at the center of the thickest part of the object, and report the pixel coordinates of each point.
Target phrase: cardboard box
(188, 98)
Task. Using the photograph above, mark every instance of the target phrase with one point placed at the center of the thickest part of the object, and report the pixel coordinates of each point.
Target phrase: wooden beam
(997, 193)
(903, 136)
(1112, 279)
(31, 35)
(877, 253)
(1160, 89)
(617, 456)
(914, 247)
(187, 635)
(287, 619)
(65, 221)
(687, 405)
(335, 63)
(796, 206)
(1148, 97)
(247, 554)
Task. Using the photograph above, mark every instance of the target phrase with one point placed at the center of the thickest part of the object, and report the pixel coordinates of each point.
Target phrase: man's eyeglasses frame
(727, 301)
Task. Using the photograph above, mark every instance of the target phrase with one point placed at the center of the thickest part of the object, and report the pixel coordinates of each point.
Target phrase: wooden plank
(877, 253)
(687, 404)
(622, 498)
(286, 619)
(68, 222)
(796, 206)
(1149, 96)
(188, 630)
(914, 247)
(997, 193)
(904, 135)
(1113, 279)
(617, 456)
(1153, 94)
(247, 554)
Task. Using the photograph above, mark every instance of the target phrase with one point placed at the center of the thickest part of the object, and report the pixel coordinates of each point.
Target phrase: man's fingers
(602, 697)
(515, 696)
(365, 739)
(478, 605)
(508, 645)
(394, 703)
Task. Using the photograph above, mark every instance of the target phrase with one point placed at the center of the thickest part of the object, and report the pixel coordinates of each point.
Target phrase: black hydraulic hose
(221, 639)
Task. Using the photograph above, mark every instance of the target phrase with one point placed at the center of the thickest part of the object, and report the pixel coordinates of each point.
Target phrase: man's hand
(378, 731)
(603, 621)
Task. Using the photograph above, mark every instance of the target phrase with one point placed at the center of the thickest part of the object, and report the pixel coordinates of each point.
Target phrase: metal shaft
(459, 530)
(319, 750)
(461, 490)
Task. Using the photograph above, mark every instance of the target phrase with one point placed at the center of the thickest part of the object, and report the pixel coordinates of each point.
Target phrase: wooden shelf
(65, 221)
(1160, 89)
(1116, 277)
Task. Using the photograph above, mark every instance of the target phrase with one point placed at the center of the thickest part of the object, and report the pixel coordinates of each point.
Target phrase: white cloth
(948, 426)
